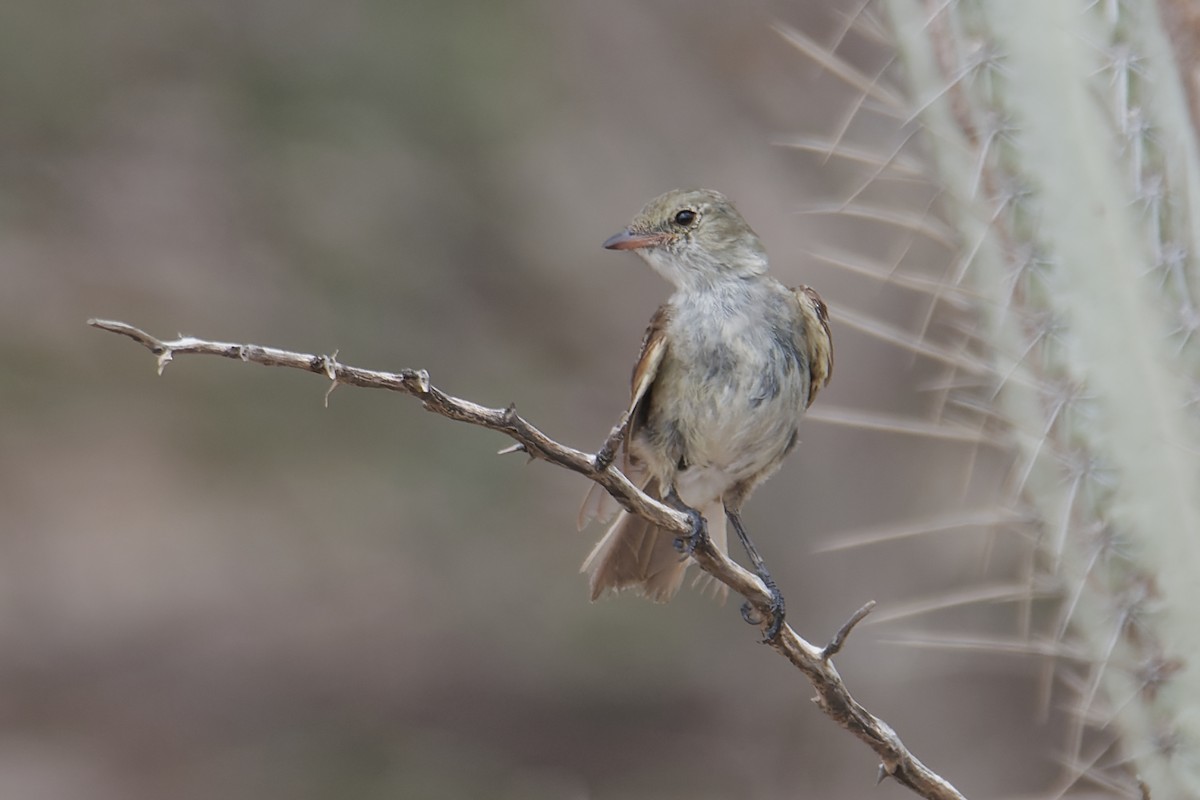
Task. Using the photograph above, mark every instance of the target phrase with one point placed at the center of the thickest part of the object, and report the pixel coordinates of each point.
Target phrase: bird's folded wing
(815, 338)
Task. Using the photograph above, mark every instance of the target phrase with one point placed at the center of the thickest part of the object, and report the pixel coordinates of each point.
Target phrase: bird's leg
(608, 450)
(688, 543)
(734, 515)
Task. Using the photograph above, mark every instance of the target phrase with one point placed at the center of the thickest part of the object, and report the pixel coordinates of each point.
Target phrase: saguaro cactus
(1061, 132)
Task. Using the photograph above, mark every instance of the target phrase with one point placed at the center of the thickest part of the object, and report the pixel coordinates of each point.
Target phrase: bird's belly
(740, 441)
(739, 421)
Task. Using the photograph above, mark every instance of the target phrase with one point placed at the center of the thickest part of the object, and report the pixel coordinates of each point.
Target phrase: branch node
(512, 448)
(839, 639)
(329, 366)
(243, 352)
(164, 357)
(422, 378)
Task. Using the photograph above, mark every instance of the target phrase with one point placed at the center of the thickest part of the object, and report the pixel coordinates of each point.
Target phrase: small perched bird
(728, 366)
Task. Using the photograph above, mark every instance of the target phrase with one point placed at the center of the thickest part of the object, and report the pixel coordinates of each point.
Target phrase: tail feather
(599, 505)
(640, 556)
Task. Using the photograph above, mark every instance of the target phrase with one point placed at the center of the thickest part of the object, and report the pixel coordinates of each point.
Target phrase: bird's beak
(628, 240)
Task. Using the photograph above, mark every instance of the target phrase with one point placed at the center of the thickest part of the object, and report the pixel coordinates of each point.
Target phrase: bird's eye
(685, 217)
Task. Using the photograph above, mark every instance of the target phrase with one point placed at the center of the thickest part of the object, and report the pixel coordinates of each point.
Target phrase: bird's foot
(776, 611)
(687, 543)
(775, 608)
(604, 457)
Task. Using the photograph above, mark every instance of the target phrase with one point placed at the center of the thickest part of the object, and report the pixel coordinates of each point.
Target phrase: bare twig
(839, 639)
(832, 696)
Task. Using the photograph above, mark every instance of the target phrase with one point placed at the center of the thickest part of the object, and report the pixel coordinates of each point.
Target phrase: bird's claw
(688, 542)
(776, 611)
(603, 458)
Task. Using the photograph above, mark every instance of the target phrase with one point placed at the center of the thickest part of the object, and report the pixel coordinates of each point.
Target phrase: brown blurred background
(212, 586)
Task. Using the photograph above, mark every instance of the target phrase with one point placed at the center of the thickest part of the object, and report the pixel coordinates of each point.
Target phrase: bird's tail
(639, 555)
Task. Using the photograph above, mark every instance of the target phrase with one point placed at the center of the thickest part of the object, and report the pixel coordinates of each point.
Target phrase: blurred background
(213, 586)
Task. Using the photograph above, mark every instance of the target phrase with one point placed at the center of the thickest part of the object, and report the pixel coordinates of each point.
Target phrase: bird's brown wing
(815, 338)
(654, 347)
(598, 504)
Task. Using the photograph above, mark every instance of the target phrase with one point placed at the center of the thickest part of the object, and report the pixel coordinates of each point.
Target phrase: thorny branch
(815, 662)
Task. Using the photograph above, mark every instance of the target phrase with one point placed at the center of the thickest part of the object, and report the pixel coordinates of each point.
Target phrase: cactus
(1060, 131)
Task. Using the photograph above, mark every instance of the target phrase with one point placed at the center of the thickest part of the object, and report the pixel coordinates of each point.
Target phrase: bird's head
(693, 238)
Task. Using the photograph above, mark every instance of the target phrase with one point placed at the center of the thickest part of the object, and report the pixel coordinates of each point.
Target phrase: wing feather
(654, 347)
(815, 339)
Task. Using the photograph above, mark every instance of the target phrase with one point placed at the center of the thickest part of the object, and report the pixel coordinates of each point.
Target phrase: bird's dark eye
(685, 217)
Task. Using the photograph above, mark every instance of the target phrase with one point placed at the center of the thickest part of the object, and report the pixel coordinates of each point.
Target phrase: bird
(727, 368)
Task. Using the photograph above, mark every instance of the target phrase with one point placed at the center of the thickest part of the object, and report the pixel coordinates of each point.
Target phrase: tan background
(211, 586)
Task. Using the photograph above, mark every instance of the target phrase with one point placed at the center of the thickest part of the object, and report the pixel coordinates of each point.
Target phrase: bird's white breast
(731, 381)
